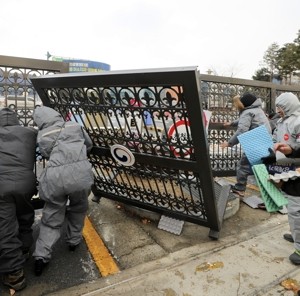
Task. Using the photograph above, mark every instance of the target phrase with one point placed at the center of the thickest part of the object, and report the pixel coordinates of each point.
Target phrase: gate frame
(188, 79)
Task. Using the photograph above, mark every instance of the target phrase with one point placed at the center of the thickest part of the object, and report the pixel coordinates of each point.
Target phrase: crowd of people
(64, 186)
(65, 183)
(284, 128)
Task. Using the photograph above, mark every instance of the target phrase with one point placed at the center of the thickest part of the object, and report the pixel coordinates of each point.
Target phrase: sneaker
(39, 265)
(240, 193)
(288, 237)
(295, 257)
(15, 280)
(262, 206)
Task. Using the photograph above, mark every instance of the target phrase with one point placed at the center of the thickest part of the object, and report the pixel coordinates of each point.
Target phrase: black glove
(269, 159)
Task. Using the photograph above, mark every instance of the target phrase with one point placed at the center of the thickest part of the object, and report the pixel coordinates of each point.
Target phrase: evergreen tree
(280, 62)
(262, 74)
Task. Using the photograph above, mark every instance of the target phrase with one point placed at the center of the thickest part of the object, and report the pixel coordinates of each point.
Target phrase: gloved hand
(269, 159)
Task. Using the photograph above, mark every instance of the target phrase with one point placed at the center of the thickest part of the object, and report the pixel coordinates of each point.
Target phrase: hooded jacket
(251, 117)
(292, 186)
(17, 155)
(288, 127)
(65, 145)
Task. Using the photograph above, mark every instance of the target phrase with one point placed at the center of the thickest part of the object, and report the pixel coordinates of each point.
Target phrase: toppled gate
(150, 143)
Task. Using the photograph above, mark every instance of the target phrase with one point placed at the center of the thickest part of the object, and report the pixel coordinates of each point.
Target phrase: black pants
(16, 219)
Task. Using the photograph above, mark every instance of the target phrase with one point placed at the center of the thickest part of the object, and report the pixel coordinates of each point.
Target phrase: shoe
(72, 248)
(240, 193)
(26, 254)
(39, 265)
(295, 257)
(262, 206)
(288, 237)
(15, 280)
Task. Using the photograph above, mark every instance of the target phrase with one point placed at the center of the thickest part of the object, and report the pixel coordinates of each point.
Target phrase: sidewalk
(251, 267)
(253, 263)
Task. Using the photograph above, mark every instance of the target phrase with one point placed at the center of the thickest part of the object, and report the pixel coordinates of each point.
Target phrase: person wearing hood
(287, 140)
(64, 184)
(251, 115)
(17, 187)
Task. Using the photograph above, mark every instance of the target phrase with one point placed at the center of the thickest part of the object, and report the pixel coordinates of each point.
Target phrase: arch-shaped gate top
(150, 143)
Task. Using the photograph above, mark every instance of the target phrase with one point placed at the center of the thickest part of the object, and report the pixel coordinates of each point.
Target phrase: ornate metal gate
(150, 141)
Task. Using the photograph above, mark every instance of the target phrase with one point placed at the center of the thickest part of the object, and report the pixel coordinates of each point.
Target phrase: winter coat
(292, 187)
(250, 118)
(17, 155)
(288, 127)
(65, 145)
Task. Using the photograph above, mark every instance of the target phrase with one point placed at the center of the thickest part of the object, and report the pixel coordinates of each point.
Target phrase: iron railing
(150, 143)
(156, 116)
(216, 96)
(16, 90)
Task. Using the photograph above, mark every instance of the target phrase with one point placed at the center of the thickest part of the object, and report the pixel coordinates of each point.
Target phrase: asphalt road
(66, 269)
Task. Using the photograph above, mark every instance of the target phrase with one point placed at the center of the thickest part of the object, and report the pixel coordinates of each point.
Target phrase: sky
(229, 37)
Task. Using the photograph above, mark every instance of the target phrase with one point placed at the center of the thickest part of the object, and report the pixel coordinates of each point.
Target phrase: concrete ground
(253, 263)
(250, 257)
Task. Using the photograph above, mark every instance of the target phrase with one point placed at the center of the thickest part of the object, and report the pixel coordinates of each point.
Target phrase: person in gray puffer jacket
(251, 115)
(17, 187)
(287, 134)
(67, 178)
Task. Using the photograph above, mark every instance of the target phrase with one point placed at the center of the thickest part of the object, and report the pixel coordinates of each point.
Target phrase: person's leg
(293, 208)
(243, 170)
(11, 257)
(25, 216)
(76, 212)
(50, 228)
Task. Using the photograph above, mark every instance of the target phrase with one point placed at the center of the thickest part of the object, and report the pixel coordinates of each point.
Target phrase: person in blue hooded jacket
(17, 187)
(64, 184)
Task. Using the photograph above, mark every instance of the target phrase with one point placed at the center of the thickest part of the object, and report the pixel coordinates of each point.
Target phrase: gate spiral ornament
(122, 155)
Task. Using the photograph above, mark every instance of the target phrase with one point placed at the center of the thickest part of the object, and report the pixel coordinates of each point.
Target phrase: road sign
(180, 134)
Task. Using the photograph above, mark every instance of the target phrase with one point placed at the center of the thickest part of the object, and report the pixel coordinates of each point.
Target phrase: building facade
(80, 65)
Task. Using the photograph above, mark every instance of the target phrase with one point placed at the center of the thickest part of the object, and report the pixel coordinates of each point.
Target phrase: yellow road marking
(100, 254)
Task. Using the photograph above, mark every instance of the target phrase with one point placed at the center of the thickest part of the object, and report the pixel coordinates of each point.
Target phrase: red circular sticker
(286, 137)
(181, 126)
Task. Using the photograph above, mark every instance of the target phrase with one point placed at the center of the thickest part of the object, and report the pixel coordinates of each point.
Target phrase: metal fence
(216, 95)
(153, 118)
(150, 143)
(16, 91)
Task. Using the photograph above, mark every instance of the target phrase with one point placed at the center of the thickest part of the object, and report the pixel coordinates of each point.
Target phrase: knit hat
(248, 99)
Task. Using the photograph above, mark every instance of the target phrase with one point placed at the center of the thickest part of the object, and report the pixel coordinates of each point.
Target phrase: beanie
(248, 99)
